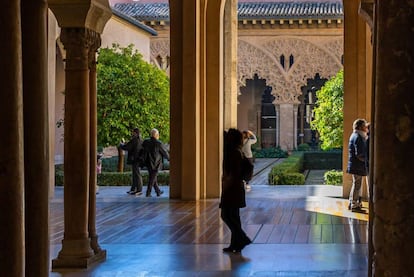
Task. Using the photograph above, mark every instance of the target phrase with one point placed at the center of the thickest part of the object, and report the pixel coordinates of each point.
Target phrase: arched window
(291, 60)
(282, 60)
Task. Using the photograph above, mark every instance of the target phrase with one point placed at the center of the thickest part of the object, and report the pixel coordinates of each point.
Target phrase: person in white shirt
(248, 139)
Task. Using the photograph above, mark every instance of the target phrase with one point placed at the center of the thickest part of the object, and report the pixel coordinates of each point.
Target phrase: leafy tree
(328, 118)
(131, 93)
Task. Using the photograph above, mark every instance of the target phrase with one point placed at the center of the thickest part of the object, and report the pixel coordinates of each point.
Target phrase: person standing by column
(134, 148)
(154, 152)
(357, 162)
(248, 139)
(99, 157)
(236, 169)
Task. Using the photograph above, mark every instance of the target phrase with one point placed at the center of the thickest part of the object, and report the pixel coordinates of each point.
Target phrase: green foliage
(328, 118)
(274, 152)
(287, 172)
(295, 178)
(333, 177)
(131, 93)
(304, 147)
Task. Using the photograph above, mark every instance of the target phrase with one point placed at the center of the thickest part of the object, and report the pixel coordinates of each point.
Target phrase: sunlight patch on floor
(334, 206)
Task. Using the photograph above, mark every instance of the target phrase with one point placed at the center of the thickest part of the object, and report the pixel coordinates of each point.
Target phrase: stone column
(287, 126)
(36, 136)
(277, 110)
(51, 71)
(393, 217)
(356, 95)
(76, 250)
(11, 143)
(214, 97)
(176, 86)
(185, 99)
(295, 125)
(93, 151)
(230, 64)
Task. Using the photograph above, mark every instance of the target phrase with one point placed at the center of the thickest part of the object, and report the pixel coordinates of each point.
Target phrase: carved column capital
(92, 52)
(78, 43)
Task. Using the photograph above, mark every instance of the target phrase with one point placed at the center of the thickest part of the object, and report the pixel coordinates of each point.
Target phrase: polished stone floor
(296, 231)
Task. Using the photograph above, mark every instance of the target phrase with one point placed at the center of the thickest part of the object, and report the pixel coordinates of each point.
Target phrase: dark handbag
(247, 169)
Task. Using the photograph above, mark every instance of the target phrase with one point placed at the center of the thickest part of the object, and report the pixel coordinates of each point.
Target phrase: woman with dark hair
(236, 170)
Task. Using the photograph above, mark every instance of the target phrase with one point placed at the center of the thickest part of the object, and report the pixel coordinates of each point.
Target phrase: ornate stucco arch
(160, 54)
(313, 55)
(287, 62)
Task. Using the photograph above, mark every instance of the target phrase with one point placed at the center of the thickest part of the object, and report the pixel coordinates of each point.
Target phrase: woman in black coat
(236, 170)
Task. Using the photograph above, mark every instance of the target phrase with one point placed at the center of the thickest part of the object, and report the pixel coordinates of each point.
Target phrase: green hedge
(119, 178)
(333, 177)
(323, 159)
(111, 164)
(289, 171)
(304, 147)
(273, 152)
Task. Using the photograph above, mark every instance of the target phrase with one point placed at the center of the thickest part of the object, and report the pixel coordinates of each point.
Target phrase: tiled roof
(135, 22)
(145, 12)
(290, 10)
(251, 10)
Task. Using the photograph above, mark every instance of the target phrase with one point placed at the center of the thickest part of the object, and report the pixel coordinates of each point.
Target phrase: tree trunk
(120, 159)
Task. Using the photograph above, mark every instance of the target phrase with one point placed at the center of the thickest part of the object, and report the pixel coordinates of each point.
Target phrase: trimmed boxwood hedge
(289, 171)
(323, 159)
(119, 178)
(111, 164)
(273, 152)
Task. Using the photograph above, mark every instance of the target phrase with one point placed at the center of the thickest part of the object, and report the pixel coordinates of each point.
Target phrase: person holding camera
(134, 148)
(248, 139)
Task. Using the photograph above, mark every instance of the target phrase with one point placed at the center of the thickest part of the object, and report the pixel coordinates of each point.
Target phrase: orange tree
(131, 93)
(329, 118)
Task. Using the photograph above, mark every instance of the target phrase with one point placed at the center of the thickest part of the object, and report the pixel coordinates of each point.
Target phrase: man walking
(154, 151)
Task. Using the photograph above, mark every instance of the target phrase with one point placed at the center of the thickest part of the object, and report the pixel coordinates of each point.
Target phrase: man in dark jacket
(357, 161)
(134, 148)
(155, 152)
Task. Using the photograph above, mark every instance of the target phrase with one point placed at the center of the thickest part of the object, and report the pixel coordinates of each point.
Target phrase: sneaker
(132, 192)
(356, 207)
(159, 193)
(138, 193)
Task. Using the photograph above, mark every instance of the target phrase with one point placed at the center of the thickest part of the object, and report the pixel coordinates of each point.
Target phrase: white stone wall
(124, 33)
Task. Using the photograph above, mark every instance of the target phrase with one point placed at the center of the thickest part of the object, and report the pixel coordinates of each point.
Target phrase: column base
(77, 254)
(77, 262)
